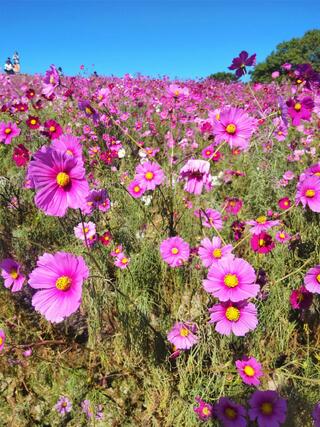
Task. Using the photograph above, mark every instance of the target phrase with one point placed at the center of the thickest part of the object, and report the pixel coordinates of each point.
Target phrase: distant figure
(60, 72)
(8, 67)
(16, 63)
(95, 74)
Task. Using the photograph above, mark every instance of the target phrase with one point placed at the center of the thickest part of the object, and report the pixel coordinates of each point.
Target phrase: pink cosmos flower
(301, 299)
(8, 131)
(196, 175)
(312, 280)
(230, 413)
(282, 236)
(268, 408)
(97, 199)
(284, 203)
(308, 193)
(11, 274)
(210, 251)
(234, 126)
(59, 182)
(149, 175)
(2, 339)
(300, 109)
(177, 91)
(210, 218)
(238, 318)
(233, 205)
(231, 279)
(204, 410)
(135, 189)
(261, 224)
(182, 335)
(63, 406)
(175, 251)
(121, 261)
(85, 230)
(69, 145)
(250, 370)
(316, 415)
(262, 243)
(117, 251)
(58, 278)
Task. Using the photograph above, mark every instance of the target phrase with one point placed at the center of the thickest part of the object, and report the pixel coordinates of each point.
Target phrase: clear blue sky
(184, 38)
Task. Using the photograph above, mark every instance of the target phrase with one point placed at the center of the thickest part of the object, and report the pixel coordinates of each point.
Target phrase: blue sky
(183, 38)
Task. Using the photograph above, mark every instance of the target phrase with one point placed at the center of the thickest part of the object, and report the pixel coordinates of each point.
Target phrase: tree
(223, 77)
(295, 51)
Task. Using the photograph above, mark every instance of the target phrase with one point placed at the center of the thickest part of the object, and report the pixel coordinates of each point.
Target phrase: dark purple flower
(301, 299)
(241, 62)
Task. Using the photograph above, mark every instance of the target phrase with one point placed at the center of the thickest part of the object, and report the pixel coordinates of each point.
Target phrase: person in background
(8, 67)
(60, 72)
(16, 63)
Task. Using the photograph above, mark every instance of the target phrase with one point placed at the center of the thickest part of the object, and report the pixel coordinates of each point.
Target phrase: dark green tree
(223, 77)
(295, 51)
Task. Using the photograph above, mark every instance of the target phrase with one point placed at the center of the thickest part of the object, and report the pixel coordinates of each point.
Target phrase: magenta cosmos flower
(312, 280)
(8, 131)
(204, 410)
(121, 261)
(211, 251)
(300, 109)
(301, 299)
(308, 193)
(230, 413)
(231, 279)
(241, 62)
(210, 218)
(63, 406)
(261, 224)
(268, 408)
(284, 203)
(59, 182)
(52, 129)
(20, 155)
(238, 318)
(69, 145)
(59, 277)
(182, 335)
(250, 370)
(196, 175)
(149, 175)
(175, 251)
(233, 205)
(2, 339)
(316, 415)
(135, 189)
(282, 236)
(234, 126)
(11, 274)
(262, 243)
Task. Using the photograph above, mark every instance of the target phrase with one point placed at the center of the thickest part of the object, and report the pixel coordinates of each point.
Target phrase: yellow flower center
(286, 203)
(249, 371)
(310, 193)
(14, 274)
(299, 81)
(174, 251)
(1, 340)
(218, 116)
(117, 251)
(124, 261)
(52, 129)
(149, 175)
(7, 131)
(318, 278)
(86, 229)
(206, 411)
(33, 121)
(231, 280)
(176, 92)
(261, 242)
(280, 132)
(208, 152)
(282, 235)
(217, 253)
(64, 404)
(232, 314)
(62, 179)
(230, 413)
(51, 80)
(261, 219)
(184, 332)
(266, 408)
(136, 189)
(231, 128)
(88, 110)
(297, 106)
(63, 283)
(69, 153)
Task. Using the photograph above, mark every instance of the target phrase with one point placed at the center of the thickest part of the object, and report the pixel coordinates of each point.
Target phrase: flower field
(159, 250)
